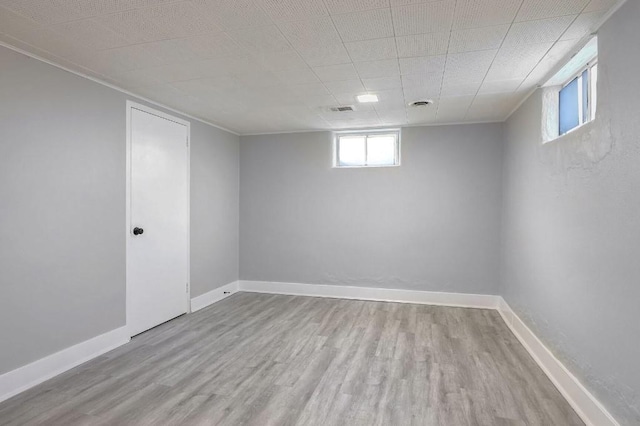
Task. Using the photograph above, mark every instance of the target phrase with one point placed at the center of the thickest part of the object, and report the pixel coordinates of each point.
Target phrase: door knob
(137, 231)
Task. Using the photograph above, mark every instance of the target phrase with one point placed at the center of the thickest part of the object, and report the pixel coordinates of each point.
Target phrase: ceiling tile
(233, 14)
(214, 45)
(484, 13)
(517, 61)
(137, 26)
(423, 45)
(492, 107)
(278, 61)
(583, 25)
(345, 6)
(181, 20)
(382, 83)
(539, 31)
(293, 10)
(389, 100)
(422, 115)
(53, 47)
(261, 39)
(552, 59)
(469, 66)
(350, 99)
(14, 24)
(412, 94)
(396, 3)
(259, 80)
(356, 115)
(501, 86)
(456, 88)
(330, 54)
(336, 72)
(423, 17)
(371, 50)
(44, 12)
(599, 5)
(422, 65)
(179, 71)
(309, 89)
(394, 117)
(346, 86)
(453, 109)
(138, 78)
(209, 86)
(171, 51)
(378, 69)
(485, 38)
(297, 76)
(365, 25)
(540, 9)
(90, 33)
(310, 34)
(433, 81)
(318, 101)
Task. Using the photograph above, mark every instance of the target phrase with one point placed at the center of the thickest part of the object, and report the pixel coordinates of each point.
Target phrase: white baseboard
(213, 296)
(30, 375)
(481, 301)
(590, 410)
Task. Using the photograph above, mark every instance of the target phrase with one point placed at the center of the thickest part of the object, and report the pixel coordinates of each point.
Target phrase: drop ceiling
(257, 66)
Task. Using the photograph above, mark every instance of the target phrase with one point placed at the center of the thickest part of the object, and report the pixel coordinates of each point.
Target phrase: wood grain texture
(259, 359)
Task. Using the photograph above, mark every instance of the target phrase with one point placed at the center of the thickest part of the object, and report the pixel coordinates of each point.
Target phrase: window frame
(366, 133)
(591, 105)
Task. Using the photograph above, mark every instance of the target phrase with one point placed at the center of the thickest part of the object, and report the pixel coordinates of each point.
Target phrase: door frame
(130, 106)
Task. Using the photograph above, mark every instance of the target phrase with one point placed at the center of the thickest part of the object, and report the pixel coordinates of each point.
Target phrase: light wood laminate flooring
(258, 359)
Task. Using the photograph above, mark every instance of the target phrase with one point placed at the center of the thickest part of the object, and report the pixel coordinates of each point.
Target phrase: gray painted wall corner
(571, 227)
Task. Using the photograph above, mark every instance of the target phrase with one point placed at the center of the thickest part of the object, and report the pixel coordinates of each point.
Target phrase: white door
(157, 239)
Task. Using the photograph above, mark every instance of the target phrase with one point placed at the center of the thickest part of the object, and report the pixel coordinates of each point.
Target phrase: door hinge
(187, 141)
(187, 287)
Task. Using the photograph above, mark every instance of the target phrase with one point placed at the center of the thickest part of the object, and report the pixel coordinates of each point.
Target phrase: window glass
(569, 107)
(372, 148)
(381, 150)
(352, 150)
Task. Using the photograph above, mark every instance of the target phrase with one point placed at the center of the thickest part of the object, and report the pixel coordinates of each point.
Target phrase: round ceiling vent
(421, 103)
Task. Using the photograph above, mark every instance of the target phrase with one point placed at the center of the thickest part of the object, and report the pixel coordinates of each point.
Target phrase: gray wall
(62, 209)
(431, 224)
(572, 227)
(215, 186)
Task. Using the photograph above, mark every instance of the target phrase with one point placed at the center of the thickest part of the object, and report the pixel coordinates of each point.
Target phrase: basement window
(577, 99)
(570, 96)
(374, 148)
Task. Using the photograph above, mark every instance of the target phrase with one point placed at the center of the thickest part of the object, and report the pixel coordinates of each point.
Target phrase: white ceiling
(256, 66)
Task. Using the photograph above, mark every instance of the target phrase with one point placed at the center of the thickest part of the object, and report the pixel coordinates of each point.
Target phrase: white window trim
(366, 133)
(590, 105)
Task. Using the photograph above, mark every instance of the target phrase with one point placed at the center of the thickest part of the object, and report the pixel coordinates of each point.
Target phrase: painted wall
(572, 227)
(431, 224)
(215, 186)
(62, 209)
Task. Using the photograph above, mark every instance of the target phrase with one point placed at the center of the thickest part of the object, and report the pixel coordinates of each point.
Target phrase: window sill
(583, 128)
(366, 167)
